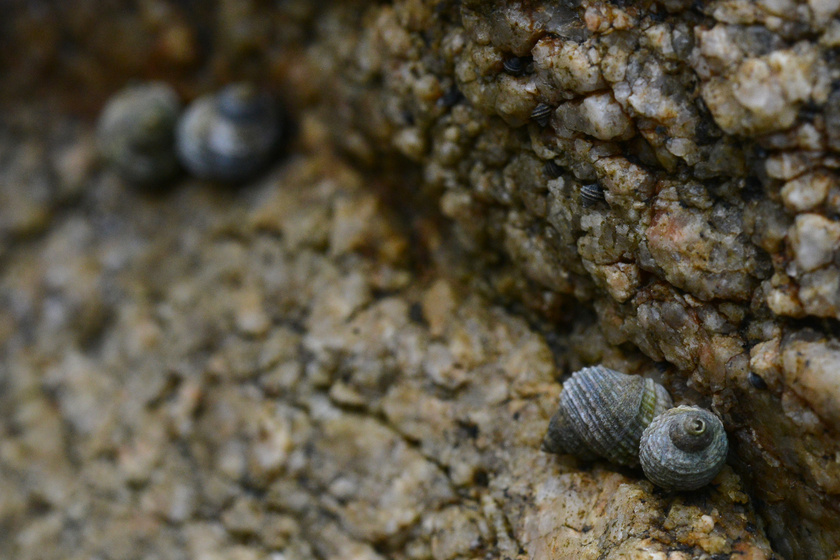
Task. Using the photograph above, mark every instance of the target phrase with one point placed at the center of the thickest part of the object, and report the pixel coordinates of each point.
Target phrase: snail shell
(683, 449)
(602, 413)
(591, 194)
(541, 114)
(230, 135)
(136, 133)
(514, 66)
(552, 169)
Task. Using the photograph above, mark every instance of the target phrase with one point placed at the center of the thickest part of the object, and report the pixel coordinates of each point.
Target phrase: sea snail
(628, 419)
(683, 449)
(230, 135)
(542, 114)
(603, 413)
(136, 133)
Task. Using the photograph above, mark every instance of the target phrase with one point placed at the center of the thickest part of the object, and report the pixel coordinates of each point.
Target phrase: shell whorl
(683, 449)
(602, 413)
(229, 136)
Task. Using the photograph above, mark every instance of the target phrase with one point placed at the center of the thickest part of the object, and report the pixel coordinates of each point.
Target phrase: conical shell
(676, 455)
(602, 413)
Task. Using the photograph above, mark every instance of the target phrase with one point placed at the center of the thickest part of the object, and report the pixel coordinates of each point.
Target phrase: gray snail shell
(230, 135)
(602, 413)
(683, 449)
(136, 133)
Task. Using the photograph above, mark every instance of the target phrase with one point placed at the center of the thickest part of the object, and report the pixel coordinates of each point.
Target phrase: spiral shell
(514, 66)
(136, 133)
(591, 194)
(683, 449)
(602, 413)
(229, 136)
(542, 114)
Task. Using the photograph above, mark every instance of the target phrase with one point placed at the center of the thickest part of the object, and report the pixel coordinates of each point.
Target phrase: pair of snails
(629, 420)
(226, 136)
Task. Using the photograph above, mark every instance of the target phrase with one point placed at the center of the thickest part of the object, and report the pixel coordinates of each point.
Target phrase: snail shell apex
(683, 449)
(136, 133)
(230, 135)
(603, 413)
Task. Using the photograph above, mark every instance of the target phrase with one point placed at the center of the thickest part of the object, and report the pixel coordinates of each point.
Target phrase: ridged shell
(684, 448)
(136, 133)
(552, 169)
(230, 135)
(542, 114)
(602, 413)
(591, 194)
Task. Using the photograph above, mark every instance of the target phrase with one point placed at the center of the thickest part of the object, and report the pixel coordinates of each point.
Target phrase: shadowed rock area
(357, 354)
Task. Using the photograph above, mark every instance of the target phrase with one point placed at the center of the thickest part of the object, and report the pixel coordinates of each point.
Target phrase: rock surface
(323, 353)
(261, 375)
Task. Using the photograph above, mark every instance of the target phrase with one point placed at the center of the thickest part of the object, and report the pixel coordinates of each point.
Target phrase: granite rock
(178, 366)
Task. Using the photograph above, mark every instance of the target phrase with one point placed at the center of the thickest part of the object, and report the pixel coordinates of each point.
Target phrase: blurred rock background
(357, 354)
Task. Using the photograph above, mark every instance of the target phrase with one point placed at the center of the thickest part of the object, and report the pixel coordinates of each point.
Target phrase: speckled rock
(708, 132)
(284, 386)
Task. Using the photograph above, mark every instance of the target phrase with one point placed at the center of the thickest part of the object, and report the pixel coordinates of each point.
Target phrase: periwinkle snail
(683, 449)
(603, 413)
(230, 135)
(628, 419)
(136, 133)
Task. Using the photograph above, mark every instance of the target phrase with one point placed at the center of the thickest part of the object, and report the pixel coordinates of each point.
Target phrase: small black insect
(541, 114)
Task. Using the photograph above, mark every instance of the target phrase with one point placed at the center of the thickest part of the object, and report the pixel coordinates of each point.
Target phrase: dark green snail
(629, 420)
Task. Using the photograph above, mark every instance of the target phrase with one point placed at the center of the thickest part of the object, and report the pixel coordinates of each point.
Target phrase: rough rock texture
(259, 375)
(317, 298)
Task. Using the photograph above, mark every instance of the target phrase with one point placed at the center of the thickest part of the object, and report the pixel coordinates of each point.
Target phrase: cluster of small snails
(225, 136)
(629, 420)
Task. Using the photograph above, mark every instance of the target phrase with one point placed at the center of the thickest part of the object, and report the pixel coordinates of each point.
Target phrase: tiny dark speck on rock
(450, 98)
(415, 313)
(752, 190)
(756, 381)
(470, 429)
(481, 478)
